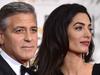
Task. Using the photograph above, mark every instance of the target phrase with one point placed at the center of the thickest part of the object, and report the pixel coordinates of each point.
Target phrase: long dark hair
(55, 43)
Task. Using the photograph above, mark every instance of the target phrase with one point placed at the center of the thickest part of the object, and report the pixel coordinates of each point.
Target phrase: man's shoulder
(2, 72)
(5, 69)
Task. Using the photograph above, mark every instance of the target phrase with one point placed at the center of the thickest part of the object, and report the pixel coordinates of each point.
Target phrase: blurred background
(44, 7)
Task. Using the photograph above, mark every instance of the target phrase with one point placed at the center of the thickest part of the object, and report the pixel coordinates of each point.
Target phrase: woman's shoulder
(96, 69)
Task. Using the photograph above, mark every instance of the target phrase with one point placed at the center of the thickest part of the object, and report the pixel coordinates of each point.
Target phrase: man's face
(20, 37)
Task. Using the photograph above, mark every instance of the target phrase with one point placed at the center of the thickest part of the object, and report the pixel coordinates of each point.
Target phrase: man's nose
(28, 36)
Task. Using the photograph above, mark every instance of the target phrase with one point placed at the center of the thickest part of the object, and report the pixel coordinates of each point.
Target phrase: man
(18, 37)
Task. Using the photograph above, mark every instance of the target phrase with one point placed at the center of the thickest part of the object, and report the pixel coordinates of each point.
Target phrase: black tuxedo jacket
(5, 69)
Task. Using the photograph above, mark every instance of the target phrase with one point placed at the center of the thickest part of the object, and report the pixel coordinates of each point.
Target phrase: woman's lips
(85, 43)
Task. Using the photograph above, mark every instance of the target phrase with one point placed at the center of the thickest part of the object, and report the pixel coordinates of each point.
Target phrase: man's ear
(1, 37)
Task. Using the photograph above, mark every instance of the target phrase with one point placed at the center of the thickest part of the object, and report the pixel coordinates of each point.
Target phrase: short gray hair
(14, 8)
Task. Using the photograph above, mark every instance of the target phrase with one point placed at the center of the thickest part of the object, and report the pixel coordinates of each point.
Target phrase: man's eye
(19, 30)
(79, 28)
(34, 30)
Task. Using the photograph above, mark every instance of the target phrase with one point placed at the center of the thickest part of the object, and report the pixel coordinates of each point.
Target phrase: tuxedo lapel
(5, 69)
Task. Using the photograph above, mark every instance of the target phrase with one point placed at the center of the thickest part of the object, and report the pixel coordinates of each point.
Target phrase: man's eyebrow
(34, 27)
(18, 27)
(24, 27)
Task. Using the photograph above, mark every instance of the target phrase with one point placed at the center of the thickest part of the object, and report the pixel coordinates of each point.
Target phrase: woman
(67, 44)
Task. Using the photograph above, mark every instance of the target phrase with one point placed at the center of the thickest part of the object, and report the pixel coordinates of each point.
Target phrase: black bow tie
(26, 70)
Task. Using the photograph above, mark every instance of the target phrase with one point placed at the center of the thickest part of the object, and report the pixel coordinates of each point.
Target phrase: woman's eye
(91, 30)
(79, 28)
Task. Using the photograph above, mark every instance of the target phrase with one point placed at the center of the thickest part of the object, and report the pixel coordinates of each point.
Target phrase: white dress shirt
(15, 65)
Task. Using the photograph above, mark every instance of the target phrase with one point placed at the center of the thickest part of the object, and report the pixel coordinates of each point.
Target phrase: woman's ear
(1, 37)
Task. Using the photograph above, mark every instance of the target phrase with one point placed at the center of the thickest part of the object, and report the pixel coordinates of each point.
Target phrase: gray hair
(14, 8)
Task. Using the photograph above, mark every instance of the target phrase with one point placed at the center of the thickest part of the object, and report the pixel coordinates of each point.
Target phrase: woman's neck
(72, 64)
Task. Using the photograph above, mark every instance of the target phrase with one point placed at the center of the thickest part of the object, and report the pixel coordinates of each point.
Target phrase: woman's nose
(88, 33)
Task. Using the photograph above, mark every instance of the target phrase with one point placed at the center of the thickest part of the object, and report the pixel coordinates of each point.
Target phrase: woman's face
(79, 32)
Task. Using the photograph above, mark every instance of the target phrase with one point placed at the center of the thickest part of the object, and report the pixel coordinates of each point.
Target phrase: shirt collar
(15, 65)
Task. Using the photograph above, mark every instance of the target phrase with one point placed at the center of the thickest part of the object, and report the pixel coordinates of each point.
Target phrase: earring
(87, 53)
(83, 55)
